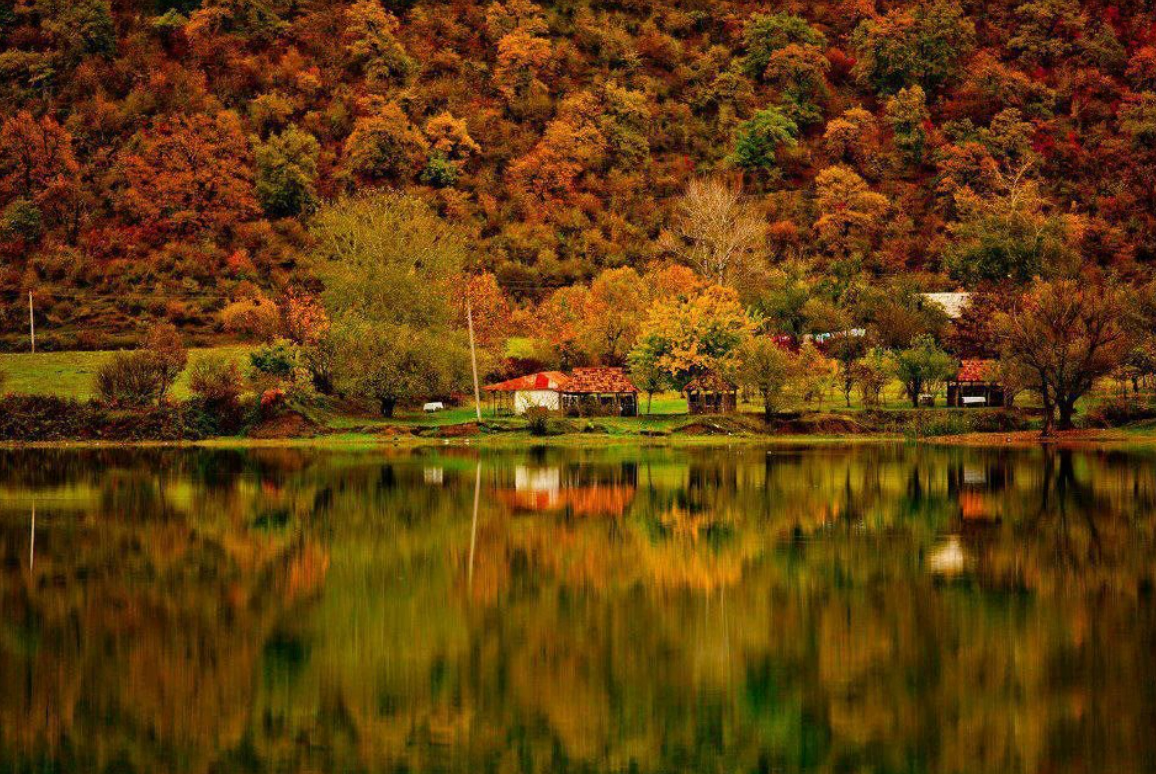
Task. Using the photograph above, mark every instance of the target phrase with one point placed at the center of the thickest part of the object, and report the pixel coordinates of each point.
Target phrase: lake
(832, 608)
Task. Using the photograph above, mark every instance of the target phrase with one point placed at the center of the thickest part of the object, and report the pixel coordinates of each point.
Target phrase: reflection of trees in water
(744, 611)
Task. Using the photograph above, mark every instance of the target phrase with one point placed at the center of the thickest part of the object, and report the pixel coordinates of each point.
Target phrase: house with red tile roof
(540, 390)
(583, 392)
(600, 392)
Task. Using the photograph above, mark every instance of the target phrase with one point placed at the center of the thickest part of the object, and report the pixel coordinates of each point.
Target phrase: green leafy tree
(923, 367)
(768, 369)
(390, 267)
(757, 141)
(646, 373)
(907, 115)
(287, 173)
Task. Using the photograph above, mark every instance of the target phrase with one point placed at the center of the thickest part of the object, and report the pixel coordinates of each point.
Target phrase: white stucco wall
(547, 399)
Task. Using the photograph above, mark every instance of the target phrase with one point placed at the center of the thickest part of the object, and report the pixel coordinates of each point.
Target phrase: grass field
(73, 374)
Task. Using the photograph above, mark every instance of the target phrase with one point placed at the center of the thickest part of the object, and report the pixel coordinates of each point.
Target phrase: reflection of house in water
(589, 490)
(975, 485)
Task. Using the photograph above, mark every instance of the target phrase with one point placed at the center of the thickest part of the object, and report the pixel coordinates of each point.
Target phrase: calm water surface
(833, 609)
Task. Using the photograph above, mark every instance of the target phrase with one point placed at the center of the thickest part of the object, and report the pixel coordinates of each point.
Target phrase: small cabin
(599, 392)
(516, 396)
(709, 393)
(974, 386)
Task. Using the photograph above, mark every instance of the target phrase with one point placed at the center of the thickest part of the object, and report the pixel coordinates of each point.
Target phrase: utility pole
(31, 323)
(473, 357)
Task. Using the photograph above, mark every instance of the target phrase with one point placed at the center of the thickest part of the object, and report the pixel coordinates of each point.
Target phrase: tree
(450, 142)
(78, 28)
(38, 166)
(384, 145)
(800, 75)
(767, 368)
(852, 138)
(287, 173)
(559, 322)
(390, 266)
(687, 337)
(850, 213)
(1069, 334)
(614, 310)
(393, 364)
(766, 34)
(373, 45)
(146, 375)
(923, 367)
(846, 350)
(190, 174)
(167, 350)
(714, 230)
(872, 373)
(646, 373)
(907, 115)
(1012, 236)
(926, 46)
(758, 141)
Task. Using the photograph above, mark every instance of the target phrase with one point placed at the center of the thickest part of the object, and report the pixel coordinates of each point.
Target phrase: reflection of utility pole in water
(32, 539)
(474, 526)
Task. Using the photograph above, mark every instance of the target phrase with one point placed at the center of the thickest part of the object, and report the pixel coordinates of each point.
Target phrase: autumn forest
(161, 159)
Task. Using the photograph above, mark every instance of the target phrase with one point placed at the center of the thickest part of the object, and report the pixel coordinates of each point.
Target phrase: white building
(541, 390)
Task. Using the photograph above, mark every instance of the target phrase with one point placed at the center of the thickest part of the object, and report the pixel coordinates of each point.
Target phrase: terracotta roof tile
(599, 381)
(546, 380)
(975, 371)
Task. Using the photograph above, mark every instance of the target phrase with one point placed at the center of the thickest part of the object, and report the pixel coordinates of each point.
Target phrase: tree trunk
(1067, 408)
(767, 413)
(1048, 411)
(649, 400)
(387, 405)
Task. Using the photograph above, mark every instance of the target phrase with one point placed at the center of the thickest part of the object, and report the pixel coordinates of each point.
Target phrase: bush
(277, 358)
(28, 418)
(258, 318)
(132, 379)
(216, 380)
(1113, 413)
(538, 420)
(216, 384)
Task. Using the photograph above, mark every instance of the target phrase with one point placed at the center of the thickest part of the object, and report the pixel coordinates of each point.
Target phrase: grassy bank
(71, 375)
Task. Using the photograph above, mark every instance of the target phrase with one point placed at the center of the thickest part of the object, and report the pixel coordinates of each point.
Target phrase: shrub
(538, 420)
(277, 358)
(216, 380)
(164, 346)
(132, 379)
(1113, 413)
(28, 418)
(258, 318)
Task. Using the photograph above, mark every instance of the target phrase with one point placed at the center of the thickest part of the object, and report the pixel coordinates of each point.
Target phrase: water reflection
(830, 609)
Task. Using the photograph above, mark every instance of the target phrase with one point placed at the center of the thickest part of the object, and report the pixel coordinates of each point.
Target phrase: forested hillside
(162, 158)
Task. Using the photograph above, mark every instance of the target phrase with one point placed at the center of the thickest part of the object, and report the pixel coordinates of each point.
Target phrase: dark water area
(830, 609)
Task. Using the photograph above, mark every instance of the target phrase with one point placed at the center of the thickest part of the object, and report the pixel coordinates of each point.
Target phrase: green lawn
(73, 374)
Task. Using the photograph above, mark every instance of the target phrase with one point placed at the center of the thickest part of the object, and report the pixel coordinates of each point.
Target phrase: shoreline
(1107, 438)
